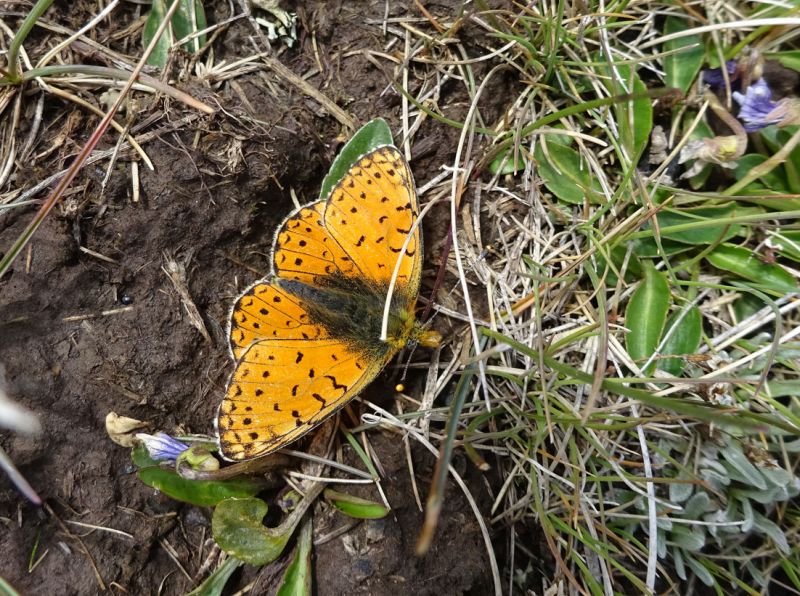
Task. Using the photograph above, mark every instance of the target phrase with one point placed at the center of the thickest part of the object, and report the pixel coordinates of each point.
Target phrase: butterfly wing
(290, 373)
(303, 249)
(281, 389)
(371, 212)
(265, 311)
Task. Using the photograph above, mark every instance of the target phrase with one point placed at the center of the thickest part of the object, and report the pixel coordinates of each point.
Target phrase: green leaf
(204, 493)
(703, 574)
(777, 138)
(6, 589)
(687, 538)
(681, 68)
(237, 528)
(635, 118)
(681, 491)
(215, 583)
(789, 58)
(297, 579)
(787, 243)
(647, 248)
(355, 506)
(565, 174)
(188, 18)
(716, 230)
(141, 457)
(646, 315)
(745, 263)
(617, 254)
(372, 135)
(747, 304)
(742, 465)
(771, 529)
(682, 340)
(505, 163)
(774, 180)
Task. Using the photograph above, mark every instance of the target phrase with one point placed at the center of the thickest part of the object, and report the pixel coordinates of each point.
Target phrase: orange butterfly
(306, 339)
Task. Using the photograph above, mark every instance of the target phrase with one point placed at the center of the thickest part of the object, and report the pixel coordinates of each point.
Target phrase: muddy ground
(82, 335)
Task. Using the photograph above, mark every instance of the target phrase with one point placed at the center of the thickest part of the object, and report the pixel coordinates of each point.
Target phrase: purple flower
(757, 110)
(713, 76)
(162, 447)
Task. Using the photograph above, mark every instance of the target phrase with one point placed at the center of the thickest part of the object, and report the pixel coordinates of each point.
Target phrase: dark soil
(220, 186)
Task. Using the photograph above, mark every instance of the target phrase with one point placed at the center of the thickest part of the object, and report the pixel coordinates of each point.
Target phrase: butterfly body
(307, 339)
(336, 301)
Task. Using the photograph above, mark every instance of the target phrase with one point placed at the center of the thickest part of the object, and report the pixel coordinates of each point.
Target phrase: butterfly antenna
(413, 345)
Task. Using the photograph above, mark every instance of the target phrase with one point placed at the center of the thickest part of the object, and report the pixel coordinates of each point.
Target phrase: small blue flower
(713, 76)
(757, 109)
(162, 447)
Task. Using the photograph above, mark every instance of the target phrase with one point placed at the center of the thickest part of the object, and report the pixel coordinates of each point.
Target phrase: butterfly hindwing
(265, 311)
(282, 389)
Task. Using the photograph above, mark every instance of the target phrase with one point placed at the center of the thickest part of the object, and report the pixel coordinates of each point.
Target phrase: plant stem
(27, 25)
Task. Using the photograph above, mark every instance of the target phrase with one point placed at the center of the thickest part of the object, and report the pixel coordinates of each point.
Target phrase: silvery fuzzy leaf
(661, 544)
(776, 476)
(772, 530)
(690, 539)
(717, 480)
(680, 491)
(697, 505)
(747, 515)
(746, 470)
(677, 561)
(699, 570)
(764, 497)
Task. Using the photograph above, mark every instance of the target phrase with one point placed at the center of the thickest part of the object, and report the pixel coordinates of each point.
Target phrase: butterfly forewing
(371, 212)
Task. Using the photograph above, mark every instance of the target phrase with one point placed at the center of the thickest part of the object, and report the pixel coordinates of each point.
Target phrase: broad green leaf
(647, 248)
(141, 457)
(214, 584)
(238, 529)
(746, 305)
(188, 18)
(204, 493)
(635, 118)
(372, 135)
(745, 263)
(716, 230)
(696, 506)
(297, 579)
(774, 180)
(355, 506)
(506, 163)
(788, 58)
(565, 174)
(777, 138)
(681, 68)
(682, 339)
(646, 315)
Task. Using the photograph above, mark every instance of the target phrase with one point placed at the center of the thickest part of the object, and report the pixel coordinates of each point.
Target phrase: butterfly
(306, 339)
